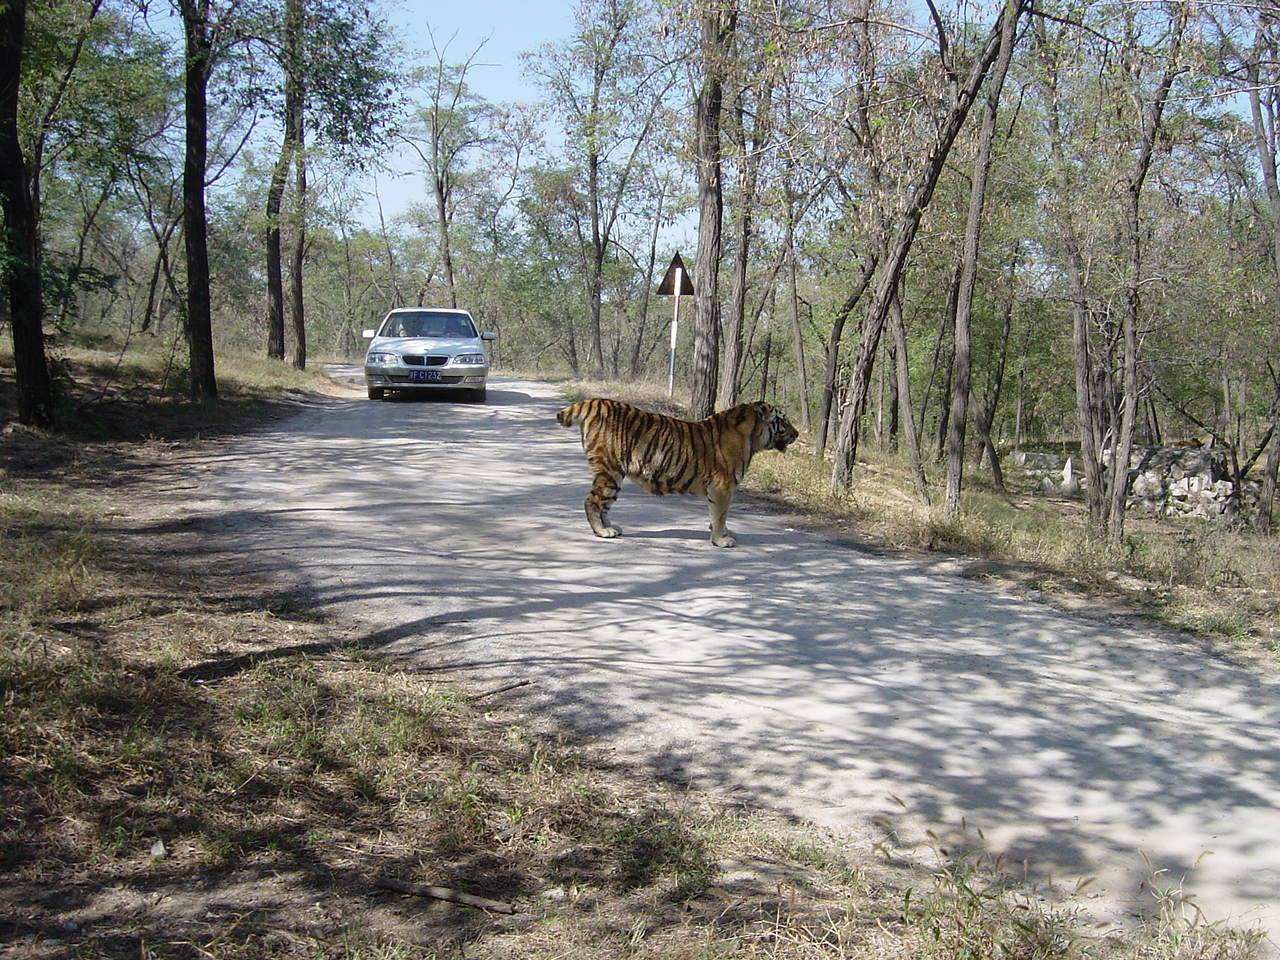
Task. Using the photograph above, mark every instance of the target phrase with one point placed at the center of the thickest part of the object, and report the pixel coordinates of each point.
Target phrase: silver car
(424, 348)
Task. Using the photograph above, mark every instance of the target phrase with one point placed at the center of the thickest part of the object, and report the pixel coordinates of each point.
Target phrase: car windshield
(428, 323)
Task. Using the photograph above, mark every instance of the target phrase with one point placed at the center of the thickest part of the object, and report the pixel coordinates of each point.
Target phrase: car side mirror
(488, 335)
(368, 334)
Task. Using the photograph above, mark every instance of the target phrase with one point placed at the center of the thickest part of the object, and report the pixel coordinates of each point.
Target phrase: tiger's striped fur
(667, 455)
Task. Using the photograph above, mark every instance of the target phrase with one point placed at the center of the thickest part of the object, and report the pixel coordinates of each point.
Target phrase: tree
(199, 45)
(751, 127)
(22, 236)
(292, 70)
(608, 91)
(918, 196)
(452, 125)
(1253, 60)
(1107, 397)
(338, 74)
(1150, 114)
(717, 20)
(960, 384)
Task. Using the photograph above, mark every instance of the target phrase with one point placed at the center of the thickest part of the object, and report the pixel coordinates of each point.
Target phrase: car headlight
(381, 359)
(474, 359)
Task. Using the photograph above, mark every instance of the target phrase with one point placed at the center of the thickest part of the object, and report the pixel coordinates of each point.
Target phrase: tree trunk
(638, 345)
(297, 307)
(903, 378)
(879, 417)
(442, 227)
(1018, 422)
(891, 428)
(718, 18)
(595, 267)
(945, 323)
(275, 273)
(986, 416)
(1267, 160)
(833, 353)
(91, 216)
(1152, 114)
(199, 318)
(797, 332)
(279, 175)
(764, 370)
(1267, 495)
(944, 413)
(1087, 420)
(393, 272)
(738, 298)
(153, 287)
(275, 200)
(155, 298)
(961, 362)
(917, 200)
(733, 344)
(21, 232)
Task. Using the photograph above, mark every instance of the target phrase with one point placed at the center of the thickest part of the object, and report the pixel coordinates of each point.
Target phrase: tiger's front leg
(718, 497)
(604, 491)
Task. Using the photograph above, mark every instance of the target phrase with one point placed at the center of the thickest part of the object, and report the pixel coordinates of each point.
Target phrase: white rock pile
(1167, 481)
(1187, 481)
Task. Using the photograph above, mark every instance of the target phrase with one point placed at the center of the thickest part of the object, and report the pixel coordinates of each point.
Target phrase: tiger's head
(773, 430)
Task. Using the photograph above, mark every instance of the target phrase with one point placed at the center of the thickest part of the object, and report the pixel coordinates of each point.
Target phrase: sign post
(675, 283)
(675, 329)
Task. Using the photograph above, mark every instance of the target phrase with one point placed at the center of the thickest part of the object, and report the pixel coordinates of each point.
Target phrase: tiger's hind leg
(718, 497)
(604, 491)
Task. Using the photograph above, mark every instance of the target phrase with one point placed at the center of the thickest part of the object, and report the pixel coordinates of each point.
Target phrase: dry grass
(650, 395)
(1194, 575)
(109, 390)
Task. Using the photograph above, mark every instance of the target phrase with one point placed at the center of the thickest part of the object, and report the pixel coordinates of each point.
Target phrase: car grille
(401, 378)
(425, 361)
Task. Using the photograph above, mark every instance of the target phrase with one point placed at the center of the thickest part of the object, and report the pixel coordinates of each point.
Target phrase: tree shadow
(791, 672)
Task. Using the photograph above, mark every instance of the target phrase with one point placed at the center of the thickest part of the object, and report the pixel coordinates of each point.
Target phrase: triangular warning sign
(667, 287)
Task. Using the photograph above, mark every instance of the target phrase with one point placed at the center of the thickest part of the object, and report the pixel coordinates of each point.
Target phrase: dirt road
(792, 672)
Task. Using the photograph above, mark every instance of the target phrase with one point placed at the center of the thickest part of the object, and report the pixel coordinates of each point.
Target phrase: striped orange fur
(664, 455)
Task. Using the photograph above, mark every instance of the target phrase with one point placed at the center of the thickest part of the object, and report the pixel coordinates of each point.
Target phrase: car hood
(414, 345)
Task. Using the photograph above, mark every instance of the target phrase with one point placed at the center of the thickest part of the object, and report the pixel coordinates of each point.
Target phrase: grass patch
(650, 395)
(108, 390)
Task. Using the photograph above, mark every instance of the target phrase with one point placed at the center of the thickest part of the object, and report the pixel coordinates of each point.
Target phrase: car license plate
(424, 376)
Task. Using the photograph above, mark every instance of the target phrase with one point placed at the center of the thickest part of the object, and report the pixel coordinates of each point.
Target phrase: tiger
(665, 455)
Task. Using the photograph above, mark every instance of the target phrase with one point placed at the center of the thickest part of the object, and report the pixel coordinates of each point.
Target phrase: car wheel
(477, 395)
(375, 393)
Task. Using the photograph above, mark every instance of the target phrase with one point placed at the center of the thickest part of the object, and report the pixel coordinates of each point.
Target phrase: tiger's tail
(567, 416)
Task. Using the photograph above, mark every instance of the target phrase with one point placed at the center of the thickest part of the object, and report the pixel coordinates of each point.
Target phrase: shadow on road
(790, 672)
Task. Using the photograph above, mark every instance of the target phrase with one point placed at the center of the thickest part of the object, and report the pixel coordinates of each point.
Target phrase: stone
(1147, 485)
(1034, 462)
(1070, 485)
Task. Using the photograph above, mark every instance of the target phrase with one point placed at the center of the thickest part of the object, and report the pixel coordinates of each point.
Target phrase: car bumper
(401, 378)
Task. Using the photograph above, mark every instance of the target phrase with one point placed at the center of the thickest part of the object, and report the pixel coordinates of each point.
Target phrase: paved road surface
(794, 672)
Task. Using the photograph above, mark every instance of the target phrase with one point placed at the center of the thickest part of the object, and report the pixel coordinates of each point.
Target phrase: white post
(675, 326)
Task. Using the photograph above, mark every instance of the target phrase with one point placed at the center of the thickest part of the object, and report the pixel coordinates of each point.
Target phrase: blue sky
(507, 28)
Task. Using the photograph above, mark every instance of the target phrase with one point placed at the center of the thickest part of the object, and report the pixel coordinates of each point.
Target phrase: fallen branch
(497, 690)
(443, 893)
